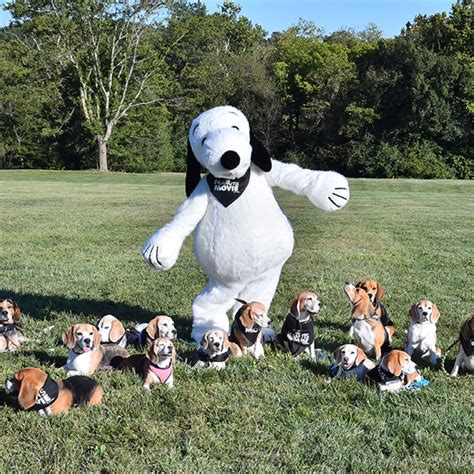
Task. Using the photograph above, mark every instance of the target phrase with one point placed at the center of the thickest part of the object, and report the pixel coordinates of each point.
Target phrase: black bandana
(467, 345)
(383, 376)
(299, 335)
(225, 190)
(205, 357)
(7, 328)
(249, 334)
(47, 395)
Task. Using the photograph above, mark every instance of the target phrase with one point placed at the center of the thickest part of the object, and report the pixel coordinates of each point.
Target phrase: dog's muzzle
(230, 160)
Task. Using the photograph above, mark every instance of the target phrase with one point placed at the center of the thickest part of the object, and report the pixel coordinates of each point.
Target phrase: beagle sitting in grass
(367, 331)
(111, 331)
(142, 335)
(465, 358)
(35, 390)
(396, 371)
(351, 362)
(424, 316)
(297, 333)
(215, 350)
(86, 354)
(246, 330)
(11, 336)
(156, 366)
(376, 293)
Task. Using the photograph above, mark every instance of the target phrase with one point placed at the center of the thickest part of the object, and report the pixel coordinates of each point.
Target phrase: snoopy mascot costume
(242, 237)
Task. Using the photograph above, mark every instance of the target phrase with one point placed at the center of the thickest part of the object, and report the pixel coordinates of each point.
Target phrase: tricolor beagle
(395, 371)
(142, 335)
(376, 293)
(297, 333)
(367, 331)
(215, 350)
(246, 330)
(465, 358)
(86, 353)
(156, 366)
(11, 336)
(111, 331)
(351, 362)
(424, 316)
(35, 390)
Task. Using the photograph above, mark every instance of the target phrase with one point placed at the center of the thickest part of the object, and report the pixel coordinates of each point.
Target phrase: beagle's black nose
(87, 340)
(230, 160)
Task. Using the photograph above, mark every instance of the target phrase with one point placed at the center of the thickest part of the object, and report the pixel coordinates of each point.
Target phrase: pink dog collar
(162, 374)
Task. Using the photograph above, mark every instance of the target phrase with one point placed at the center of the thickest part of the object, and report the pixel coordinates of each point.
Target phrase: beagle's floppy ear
(394, 364)
(226, 342)
(152, 329)
(29, 388)
(69, 338)
(260, 155)
(173, 355)
(193, 171)
(413, 312)
(337, 355)
(96, 336)
(467, 329)
(295, 309)
(116, 331)
(360, 356)
(16, 312)
(204, 341)
(435, 314)
(246, 317)
(380, 292)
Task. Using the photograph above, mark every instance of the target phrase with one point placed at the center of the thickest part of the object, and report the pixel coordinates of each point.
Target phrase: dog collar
(383, 376)
(7, 328)
(298, 334)
(162, 373)
(467, 345)
(205, 357)
(47, 395)
(226, 190)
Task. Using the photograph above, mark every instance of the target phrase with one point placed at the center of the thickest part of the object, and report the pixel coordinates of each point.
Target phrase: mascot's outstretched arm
(162, 249)
(327, 190)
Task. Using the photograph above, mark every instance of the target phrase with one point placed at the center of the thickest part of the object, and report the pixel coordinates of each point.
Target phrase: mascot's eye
(235, 126)
(203, 140)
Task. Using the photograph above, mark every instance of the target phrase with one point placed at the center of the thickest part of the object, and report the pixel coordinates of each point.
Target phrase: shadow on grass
(45, 358)
(43, 307)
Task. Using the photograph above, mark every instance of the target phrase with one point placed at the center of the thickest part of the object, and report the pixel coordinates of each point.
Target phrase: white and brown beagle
(351, 362)
(142, 335)
(297, 333)
(86, 353)
(156, 366)
(367, 331)
(11, 335)
(35, 390)
(111, 331)
(424, 316)
(465, 358)
(246, 329)
(215, 350)
(395, 371)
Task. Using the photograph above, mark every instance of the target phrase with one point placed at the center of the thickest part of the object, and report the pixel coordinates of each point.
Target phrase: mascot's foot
(268, 335)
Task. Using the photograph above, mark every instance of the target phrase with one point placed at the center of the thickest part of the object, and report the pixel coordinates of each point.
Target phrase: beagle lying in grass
(142, 335)
(351, 362)
(11, 336)
(376, 293)
(86, 353)
(395, 371)
(156, 366)
(246, 329)
(297, 333)
(215, 350)
(35, 390)
(424, 316)
(367, 331)
(111, 331)
(465, 358)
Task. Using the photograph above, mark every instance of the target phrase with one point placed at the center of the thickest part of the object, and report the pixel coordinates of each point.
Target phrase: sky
(277, 15)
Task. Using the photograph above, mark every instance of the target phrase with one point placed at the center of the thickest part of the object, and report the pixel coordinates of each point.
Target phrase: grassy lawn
(70, 253)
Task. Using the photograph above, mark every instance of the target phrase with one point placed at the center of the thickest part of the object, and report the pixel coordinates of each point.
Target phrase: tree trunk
(102, 154)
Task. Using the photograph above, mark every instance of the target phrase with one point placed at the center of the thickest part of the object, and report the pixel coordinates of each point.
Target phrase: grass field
(69, 253)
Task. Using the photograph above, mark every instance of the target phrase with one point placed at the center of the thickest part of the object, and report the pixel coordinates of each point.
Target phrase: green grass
(70, 253)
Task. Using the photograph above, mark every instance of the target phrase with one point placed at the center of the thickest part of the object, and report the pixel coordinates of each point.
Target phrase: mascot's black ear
(193, 171)
(260, 155)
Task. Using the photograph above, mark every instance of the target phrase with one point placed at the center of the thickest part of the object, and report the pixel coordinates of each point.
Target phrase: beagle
(86, 353)
(111, 331)
(395, 371)
(367, 331)
(297, 333)
(142, 335)
(35, 390)
(465, 357)
(11, 335)
(246, 329)
(215, 350)
(424, 316)
(351, 362)
(156, 366)
(376, 293)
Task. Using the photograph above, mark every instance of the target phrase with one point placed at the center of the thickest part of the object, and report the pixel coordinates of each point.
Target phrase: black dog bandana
(47, 394)
(467, 345)
(226, 191)
(383, 376)
(299, 335)
(205, 357)
(249, 334)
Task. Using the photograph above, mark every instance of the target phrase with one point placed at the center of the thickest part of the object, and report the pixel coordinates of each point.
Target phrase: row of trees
(115, 85)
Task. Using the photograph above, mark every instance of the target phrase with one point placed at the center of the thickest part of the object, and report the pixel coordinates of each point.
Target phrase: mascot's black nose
(230, 160)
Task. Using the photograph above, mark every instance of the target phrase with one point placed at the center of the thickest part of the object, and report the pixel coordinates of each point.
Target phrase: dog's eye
(106, 327)
(203, 140)
(165, 325)
(78, 333)
(235, 126)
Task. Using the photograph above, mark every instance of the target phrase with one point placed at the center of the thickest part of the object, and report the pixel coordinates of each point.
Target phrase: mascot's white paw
(161, 250)
(329, 191)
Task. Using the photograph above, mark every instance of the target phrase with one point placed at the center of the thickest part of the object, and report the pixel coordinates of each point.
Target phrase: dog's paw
(329, 191)
(161, 250)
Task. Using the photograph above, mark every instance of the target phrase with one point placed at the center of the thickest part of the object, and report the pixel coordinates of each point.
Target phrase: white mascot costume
(242, 237)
